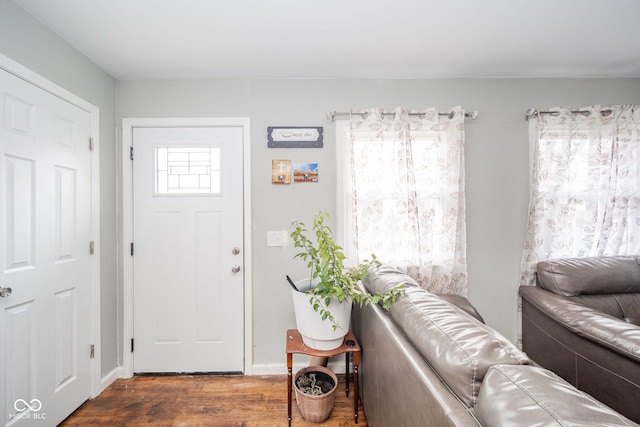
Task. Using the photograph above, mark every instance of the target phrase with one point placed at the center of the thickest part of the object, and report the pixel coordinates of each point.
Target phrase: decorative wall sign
(305, 172)
(294, 137)
(281, 171)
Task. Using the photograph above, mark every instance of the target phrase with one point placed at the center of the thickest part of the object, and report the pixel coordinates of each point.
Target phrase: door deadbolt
(235, 250)
(5, 292)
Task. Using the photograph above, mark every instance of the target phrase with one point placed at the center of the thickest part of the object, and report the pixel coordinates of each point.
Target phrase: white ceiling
(133, 39)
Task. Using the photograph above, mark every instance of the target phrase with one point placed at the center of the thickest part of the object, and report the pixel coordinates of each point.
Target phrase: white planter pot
(317, 333)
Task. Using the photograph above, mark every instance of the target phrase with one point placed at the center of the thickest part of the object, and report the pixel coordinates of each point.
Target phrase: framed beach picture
(305, 172)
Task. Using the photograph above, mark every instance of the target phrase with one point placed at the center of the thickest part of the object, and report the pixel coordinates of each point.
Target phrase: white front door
(188, 249)
(45, 218)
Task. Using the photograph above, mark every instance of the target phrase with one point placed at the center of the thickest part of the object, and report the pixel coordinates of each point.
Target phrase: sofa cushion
(383, 278)
(586, 276)
(623, 306)
(531, 396)
(458, 347)
(592, 324)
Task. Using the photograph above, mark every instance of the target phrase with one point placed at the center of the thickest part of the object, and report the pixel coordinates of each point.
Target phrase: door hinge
(92, 354)
(131, 345)
(92, 247)
(91, 144)
(131, 248)
(131, 152)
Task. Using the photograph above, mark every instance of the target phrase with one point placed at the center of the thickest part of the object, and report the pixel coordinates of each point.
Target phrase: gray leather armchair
(582, 321)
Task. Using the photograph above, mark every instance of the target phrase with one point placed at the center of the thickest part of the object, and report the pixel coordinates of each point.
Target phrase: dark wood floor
(203, 400)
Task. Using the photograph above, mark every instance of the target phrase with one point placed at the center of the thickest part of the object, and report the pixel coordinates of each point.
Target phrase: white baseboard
(337, 366)
(108, 379)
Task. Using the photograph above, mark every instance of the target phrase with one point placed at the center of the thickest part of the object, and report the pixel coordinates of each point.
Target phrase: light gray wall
(26, 41)
(496, 168)
(496, 162)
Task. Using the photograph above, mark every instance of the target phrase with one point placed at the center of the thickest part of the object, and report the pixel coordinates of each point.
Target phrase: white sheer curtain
(585, 185)
(407, 194)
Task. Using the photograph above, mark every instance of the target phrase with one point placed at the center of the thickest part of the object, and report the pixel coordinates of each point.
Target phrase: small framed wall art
(294, 137)
(281, 171)
(305, 172)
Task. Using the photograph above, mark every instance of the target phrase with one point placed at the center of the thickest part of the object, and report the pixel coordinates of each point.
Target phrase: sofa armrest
(606, 330)
(463, 304)
(514, 395)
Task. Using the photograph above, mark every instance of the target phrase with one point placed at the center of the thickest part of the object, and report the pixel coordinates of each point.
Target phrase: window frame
(344, 206)
(343, 189)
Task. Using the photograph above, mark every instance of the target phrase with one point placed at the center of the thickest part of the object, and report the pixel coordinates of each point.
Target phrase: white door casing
(180, 311)
(48, 218)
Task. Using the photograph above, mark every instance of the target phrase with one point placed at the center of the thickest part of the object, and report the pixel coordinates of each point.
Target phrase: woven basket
(316, 409)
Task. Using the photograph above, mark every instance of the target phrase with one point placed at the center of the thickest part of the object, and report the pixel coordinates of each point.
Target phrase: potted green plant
(315, 388)
(331, 288)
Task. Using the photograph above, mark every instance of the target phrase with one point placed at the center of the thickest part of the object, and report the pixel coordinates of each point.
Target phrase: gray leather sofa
(582, 321)
(430, 361)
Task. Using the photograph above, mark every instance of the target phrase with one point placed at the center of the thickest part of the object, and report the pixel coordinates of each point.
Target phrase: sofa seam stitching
(530, 395)
(472, 359)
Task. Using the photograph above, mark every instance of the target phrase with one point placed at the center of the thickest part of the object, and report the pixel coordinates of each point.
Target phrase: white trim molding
(111, 377)
(126, 234)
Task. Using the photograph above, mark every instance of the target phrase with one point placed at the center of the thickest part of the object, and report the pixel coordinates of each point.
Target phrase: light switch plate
(276, 238)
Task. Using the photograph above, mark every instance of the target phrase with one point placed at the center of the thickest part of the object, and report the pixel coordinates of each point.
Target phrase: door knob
(4, 292)
(235, 269)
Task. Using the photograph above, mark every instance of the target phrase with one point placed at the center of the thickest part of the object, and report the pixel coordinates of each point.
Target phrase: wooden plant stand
(349, 347)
